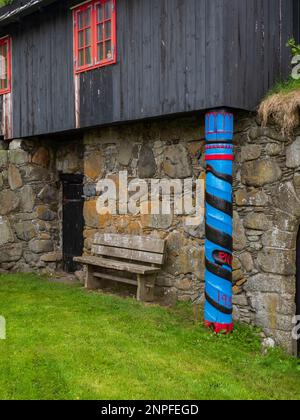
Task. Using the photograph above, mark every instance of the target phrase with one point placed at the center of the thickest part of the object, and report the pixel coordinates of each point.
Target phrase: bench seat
(142, 257)
(117, 265)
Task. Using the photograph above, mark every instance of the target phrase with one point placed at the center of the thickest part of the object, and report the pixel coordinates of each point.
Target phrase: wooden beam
(115, 278)
(140, 243)
(117, 265)
(128, 254)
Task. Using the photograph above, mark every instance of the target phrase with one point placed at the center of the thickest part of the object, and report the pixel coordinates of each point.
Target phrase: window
(95, 34)
(5, 65)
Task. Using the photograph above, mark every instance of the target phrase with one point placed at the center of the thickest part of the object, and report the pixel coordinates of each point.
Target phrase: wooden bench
(141, 256)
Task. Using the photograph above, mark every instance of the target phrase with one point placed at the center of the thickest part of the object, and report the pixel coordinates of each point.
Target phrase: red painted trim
(219, 328)
(7, 41)
(217, 131)
(94, 40)
(216, 113)
(219, 157)
(219, 113)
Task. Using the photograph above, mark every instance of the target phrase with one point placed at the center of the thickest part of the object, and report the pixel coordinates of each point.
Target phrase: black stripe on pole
(218, 271)
(219, 238)
(219, 204)
(226, 311)
(223, 177)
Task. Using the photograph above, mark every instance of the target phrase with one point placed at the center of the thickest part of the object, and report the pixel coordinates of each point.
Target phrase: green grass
(65, 343)
(4, 3)
(285, 87)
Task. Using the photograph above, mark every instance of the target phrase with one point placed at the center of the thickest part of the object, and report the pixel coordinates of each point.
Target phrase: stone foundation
(266, 216)
(29, 196)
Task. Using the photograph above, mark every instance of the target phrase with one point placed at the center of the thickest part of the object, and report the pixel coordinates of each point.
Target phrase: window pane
(5, 50)
(100, 32)
(80, 20)
(6, 68)
(108, 29)
(80, 39)
(108, 9)
(99, 13)
(100, 52)
(108, 51)
(88, 17)
(3, 69)
(81, 58)
(95, 28)
(88, 56)
(88, 37)
(3, 64)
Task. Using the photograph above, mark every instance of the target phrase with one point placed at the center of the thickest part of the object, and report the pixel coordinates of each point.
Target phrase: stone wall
(29, 228)
(266, 215)
(267, 218)
(169, 149)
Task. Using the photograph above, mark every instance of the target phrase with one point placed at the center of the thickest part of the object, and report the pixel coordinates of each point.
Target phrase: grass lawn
(65, 343)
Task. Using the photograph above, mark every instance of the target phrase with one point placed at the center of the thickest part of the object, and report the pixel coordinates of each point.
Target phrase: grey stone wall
(171, 149)
(266, 215)
(267, 218)
(29, 228)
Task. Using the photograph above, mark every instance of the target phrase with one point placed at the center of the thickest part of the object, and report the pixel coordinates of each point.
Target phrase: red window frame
(86, 39)
(5, 84)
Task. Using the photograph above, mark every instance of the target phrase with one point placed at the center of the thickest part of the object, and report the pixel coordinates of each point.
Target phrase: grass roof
(5, 2)
(282, 106)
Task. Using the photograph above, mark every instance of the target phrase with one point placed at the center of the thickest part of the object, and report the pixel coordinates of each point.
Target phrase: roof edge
(19, 8)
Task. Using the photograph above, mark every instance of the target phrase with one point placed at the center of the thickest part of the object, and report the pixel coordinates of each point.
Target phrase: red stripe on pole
(220, 328)
(219, 157)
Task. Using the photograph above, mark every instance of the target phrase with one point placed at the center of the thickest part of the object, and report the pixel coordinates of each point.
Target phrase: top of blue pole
(219, 126)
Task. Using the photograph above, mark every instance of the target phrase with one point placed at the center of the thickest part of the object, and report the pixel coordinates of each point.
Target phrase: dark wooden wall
(43, 85)
(174, 56)
(296, 12)
(255, 51)
(166, 63)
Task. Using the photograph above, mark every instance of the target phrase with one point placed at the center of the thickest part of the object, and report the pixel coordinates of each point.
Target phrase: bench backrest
(142, 249)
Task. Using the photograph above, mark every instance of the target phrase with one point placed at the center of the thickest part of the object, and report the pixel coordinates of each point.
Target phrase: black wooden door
(72, 220)
(298, 286)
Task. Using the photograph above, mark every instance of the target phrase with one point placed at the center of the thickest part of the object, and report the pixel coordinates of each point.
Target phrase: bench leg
(146, 284)
(91, 282)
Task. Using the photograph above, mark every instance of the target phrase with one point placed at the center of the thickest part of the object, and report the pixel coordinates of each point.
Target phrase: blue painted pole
(219, 214)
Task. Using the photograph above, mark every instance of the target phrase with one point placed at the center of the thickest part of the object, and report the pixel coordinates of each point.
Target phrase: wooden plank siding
(255, 52)
(296, 17)
(173, 57)
(43, 78)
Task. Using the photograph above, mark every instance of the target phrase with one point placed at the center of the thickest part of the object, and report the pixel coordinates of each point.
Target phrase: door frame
(66, 179)
(71, 178)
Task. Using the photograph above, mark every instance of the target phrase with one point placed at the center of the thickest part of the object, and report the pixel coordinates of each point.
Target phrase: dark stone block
(89, 190)
(147, 165)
